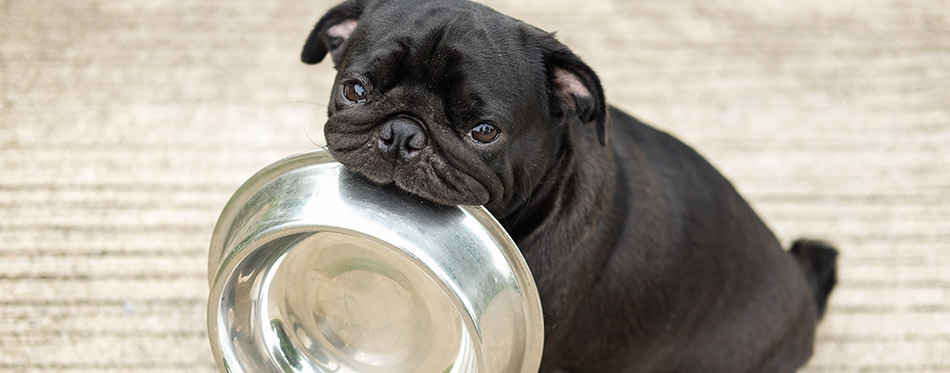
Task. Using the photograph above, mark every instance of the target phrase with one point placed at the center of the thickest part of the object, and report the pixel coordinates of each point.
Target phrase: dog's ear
(574, 88)
(332, 32)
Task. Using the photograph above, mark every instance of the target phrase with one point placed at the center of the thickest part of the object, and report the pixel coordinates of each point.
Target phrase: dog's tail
(818, 260)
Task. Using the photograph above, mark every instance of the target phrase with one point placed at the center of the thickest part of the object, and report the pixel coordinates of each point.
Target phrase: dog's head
(450, 100)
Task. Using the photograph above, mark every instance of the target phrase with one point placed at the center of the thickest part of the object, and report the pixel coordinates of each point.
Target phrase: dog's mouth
(426, 173)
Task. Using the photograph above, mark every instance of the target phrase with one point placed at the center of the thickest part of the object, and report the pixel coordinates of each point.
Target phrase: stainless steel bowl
(314, 269)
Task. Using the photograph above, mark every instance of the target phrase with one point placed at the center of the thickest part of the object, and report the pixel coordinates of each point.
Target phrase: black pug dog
(646, 258)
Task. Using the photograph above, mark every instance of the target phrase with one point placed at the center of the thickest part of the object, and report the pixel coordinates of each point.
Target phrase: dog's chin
(425, 175)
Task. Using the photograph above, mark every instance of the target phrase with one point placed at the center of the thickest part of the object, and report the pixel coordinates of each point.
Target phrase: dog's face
(450, 100)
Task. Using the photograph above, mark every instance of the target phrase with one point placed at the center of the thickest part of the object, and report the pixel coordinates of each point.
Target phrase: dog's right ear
(332, 32)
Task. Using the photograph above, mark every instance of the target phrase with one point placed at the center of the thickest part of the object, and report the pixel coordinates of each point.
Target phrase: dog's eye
(354, 91)
(484, 133)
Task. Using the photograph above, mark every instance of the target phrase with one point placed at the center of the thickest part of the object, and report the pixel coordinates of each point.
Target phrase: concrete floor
(125, 126)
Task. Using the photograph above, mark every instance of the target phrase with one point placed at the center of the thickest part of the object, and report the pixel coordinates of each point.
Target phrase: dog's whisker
(287, 103)
(314, 140)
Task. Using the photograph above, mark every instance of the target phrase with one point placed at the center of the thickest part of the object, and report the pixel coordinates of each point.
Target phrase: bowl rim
(225, 256)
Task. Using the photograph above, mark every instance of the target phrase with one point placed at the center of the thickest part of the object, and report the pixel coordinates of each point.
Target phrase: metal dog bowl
(315, 269)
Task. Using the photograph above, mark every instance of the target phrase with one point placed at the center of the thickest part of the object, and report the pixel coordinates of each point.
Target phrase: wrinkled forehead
(464, 20)
(443, 45)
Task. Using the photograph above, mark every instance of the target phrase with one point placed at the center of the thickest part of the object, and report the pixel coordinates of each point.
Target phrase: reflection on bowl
(314, 269)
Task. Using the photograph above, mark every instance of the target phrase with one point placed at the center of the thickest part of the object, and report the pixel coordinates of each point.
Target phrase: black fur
(818, 260)
(646, 258)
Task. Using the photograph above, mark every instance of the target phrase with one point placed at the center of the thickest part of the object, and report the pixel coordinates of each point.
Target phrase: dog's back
(697, 283)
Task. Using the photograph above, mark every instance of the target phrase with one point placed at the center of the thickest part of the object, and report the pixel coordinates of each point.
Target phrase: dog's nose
(402, 138)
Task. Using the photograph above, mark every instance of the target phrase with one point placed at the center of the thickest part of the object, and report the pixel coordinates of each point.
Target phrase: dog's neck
(566, 206)
(568, 227)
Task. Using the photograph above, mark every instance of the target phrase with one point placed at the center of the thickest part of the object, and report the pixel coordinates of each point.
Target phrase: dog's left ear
(332, 32)
(575, 89)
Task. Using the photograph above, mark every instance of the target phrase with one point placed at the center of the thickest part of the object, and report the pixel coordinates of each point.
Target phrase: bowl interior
(338, 301)
(315, 269)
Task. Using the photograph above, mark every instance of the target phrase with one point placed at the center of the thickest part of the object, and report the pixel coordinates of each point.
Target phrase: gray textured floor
(125, 126)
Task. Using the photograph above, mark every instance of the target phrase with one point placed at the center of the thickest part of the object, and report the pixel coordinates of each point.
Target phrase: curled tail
(818, 260)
